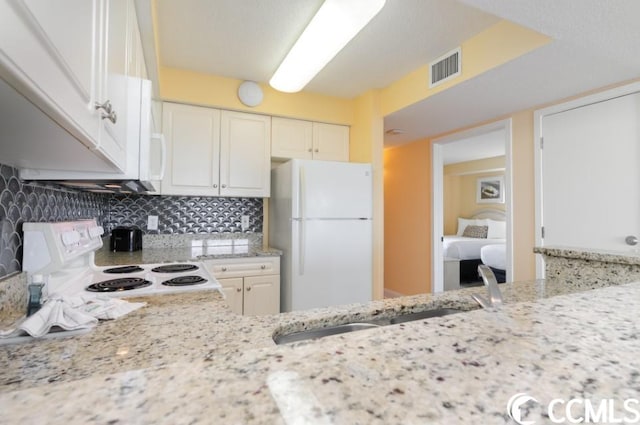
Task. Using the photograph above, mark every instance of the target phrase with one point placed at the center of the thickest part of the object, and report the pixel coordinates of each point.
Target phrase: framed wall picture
(490, 190)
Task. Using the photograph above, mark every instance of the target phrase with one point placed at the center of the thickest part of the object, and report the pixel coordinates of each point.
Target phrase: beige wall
(407, 218)
(179, 85)
(367, 140)
(460, 186)
(523, 201)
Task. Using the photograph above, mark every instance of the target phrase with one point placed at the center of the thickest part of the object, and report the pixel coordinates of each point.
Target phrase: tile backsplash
(20, 202)
(185, 214)
(23, 202)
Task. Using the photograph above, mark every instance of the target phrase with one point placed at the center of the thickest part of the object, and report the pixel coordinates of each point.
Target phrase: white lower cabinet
(251, 285)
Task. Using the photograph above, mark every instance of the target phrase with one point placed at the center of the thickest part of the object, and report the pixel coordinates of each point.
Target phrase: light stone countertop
(187, 247)
(631, 257)
(188, 359)
(104, 257)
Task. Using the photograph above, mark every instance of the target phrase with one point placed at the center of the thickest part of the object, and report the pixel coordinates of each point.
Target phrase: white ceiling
(596, 44)
(486, 145)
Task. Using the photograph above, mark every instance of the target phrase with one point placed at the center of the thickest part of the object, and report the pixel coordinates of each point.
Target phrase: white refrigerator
(320, 217)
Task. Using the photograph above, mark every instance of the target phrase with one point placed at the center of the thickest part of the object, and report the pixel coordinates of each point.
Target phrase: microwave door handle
(163, 147)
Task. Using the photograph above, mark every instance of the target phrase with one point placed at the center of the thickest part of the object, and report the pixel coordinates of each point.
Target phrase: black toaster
(126, 239)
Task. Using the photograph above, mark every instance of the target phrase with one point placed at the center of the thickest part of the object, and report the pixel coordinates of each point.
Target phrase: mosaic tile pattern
(20, 202)
(23, 202)
(185, 214)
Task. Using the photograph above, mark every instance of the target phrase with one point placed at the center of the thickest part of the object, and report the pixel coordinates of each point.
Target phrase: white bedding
(466, 248)
(494, 256)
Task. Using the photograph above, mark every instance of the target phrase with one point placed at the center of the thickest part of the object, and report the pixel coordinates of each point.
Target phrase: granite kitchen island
(187, 359)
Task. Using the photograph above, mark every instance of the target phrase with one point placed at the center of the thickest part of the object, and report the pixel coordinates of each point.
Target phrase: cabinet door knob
(106, 106)
(263, 267)
(224, 185)
(310, 150)
(108, 113)
(238, 290)
(317, 151)
(248, 288)
(215, 186)
(111, 117)
(224, 269)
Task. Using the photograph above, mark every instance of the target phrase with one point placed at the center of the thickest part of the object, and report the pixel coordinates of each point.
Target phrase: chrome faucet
(489, 279)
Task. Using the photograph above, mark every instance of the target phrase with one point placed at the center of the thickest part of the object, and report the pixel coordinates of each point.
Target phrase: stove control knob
(70, 238)
(96, 232)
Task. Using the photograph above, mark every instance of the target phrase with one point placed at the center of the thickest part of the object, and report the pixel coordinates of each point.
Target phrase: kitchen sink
(319, 333)
(369, 324)
(427, 314)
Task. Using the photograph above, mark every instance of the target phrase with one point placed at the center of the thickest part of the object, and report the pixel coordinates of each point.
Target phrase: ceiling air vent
(445, 67)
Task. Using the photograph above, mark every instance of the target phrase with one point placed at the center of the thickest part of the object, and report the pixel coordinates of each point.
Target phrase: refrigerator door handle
(303, 201)
(302, 247)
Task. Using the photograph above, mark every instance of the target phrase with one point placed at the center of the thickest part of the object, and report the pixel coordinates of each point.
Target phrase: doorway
(587, 173)
(471, 139)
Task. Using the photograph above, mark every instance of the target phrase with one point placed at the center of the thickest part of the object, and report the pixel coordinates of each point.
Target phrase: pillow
(474, 231)
(464, 222)
(497, 229)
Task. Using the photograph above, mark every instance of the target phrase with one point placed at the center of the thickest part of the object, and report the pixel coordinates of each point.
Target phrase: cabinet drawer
(239, 267)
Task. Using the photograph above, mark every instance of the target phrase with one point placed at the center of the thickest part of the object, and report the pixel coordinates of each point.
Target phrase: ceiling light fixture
(394, 131)
(333, 26)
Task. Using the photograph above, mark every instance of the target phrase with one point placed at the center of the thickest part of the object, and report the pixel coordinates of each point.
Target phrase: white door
(52, 49)
(245, 154)
(233, 291)
(291, 138)
(591, 174)
(113, 87)
(192, 136)
(332, 263)
(334, 189)
(261, 295)
(330, 142)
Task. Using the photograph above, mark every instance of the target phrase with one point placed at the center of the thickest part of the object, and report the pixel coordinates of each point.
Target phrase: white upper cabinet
(216, 153)
(65, 60)
(245, 155)
(192, 135)
(291, 138)
(113, 82)
(136, 66)
(330, 142)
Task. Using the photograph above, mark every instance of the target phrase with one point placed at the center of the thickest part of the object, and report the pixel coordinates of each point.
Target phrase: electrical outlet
(152, 222)
(244, 222)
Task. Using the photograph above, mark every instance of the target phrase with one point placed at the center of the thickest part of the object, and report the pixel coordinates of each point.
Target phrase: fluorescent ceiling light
(333, 26)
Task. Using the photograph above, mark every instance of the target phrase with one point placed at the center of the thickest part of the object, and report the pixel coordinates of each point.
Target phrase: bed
(495, 256)
(485, 227)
